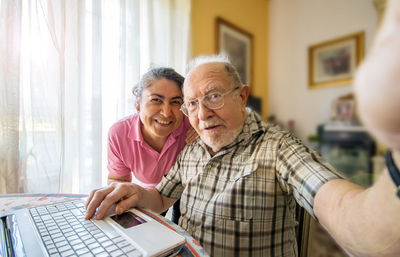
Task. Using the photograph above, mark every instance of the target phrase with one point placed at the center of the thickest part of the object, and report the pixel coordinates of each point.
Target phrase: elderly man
(239, 182)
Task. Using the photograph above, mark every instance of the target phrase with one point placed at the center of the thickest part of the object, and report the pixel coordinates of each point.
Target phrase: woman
(147, 143)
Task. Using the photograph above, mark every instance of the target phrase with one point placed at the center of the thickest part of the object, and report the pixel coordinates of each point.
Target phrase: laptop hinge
(11, 237)
(6, 242)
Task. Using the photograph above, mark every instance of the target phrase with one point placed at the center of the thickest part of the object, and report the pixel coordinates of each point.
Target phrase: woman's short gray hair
(152, 76)
(218, 58)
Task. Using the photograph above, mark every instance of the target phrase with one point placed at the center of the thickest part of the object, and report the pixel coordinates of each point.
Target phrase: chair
(302, 230)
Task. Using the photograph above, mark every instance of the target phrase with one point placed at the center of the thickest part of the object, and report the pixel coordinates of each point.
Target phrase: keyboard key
(67, 253)
(90, 241)
(116, 253)
(128, 248)
(118, 239)
(88, 254)
(78, 246)
(111, 248)
(75, 241)
(82, 251)
(52, 250)
(61, 243)
(107, 243)
(98, 250)
(134, 253)
(102, 239)
(72, 237)
(103, 254)
(64, 248)
(59, 239)
(79, 230)
(56, 235)
(49, 246)
(94, 245)
(123, 244)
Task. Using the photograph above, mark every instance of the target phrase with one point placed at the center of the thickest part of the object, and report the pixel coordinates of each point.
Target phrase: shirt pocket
(236, 200)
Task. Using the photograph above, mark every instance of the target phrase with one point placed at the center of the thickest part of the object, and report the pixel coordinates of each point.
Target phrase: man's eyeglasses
(212, 101)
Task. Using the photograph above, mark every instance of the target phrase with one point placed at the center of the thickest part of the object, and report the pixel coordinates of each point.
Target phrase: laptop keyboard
(65, 232)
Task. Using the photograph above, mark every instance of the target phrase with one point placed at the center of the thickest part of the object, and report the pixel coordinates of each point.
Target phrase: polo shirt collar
(135, 133)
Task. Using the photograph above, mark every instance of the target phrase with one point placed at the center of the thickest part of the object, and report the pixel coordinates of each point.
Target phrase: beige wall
(250, 15)
(293, 27)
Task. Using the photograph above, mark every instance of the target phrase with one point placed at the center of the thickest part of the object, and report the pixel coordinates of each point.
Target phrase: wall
(293, 26)
(250, 15)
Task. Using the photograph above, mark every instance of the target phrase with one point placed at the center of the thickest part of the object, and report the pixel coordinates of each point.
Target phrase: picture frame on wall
(334, 62)
(238, 45)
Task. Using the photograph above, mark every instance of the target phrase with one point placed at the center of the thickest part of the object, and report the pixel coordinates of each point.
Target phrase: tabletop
(12, 202)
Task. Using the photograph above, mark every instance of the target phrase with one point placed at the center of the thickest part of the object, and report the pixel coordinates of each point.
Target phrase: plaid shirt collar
(252, 125)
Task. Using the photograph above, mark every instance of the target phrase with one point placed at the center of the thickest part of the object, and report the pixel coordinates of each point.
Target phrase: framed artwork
(334, 62)
(238, 45)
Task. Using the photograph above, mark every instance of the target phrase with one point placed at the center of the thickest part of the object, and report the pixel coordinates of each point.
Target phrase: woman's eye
(177, 102)
(156, 100)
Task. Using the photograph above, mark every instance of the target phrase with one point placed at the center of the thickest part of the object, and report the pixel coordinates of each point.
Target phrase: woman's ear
(137, 106)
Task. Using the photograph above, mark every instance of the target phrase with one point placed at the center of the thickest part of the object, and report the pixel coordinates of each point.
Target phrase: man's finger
(120, 192)
(90, 198)
(127, 204)
(95, 200)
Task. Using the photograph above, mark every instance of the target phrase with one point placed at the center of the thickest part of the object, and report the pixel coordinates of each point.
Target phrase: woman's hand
(191, 135)
(112, 178)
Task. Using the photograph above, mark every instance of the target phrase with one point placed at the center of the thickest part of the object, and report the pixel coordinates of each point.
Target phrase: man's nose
(204, 113)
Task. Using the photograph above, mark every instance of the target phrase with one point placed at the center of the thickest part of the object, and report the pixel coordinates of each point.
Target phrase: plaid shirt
(241, 201)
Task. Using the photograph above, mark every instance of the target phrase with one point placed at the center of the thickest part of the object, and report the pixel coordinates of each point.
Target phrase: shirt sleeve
(301, 171)
(116, 165)
(171, 184)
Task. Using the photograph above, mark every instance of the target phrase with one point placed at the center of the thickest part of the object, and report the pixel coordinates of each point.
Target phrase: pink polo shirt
(128, 152)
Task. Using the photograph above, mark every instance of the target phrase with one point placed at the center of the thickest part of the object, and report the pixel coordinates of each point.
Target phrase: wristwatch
(393, 171)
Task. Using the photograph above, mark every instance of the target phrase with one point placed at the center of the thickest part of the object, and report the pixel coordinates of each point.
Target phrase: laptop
(60, 229)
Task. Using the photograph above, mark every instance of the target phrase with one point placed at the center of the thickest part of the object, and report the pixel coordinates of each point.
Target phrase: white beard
(220, 140)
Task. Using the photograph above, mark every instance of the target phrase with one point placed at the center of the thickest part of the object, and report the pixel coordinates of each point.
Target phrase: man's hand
(124, 195)
(377, 83)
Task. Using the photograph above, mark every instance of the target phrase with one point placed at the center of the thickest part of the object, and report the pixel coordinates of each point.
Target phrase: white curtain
(67, 69)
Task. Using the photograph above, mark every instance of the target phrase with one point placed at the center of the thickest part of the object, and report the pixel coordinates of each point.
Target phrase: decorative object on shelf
(238, 45)
(334, 62)
(343, 108)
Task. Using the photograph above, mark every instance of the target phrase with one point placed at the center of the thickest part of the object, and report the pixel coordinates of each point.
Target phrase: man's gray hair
(218, 58)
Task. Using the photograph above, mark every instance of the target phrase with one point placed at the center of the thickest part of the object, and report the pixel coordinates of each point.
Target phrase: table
(12, 202)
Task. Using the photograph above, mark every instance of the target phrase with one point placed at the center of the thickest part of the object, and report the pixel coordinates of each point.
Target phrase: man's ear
(244, 94)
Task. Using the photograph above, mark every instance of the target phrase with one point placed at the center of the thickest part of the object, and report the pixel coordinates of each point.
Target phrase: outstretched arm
(366, 222)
